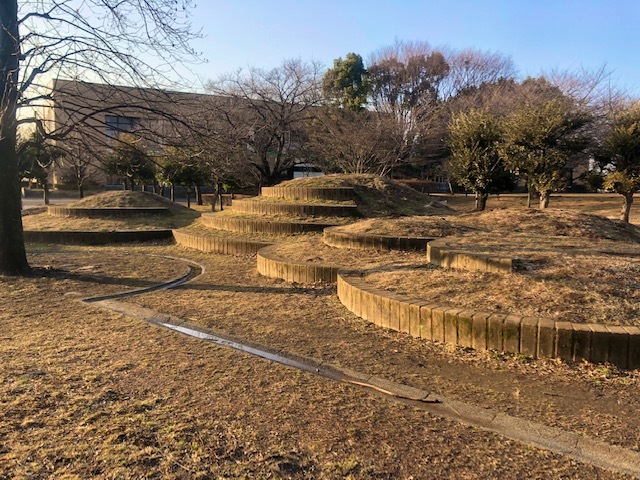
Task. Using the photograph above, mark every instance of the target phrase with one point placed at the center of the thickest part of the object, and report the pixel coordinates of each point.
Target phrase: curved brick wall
(303, 210)
(57, 211)
(440, 254)
(226, 246)
(310, 193)
(250, 225)
(270, 265)
(336, 238)
(536, 337)
(95, 238)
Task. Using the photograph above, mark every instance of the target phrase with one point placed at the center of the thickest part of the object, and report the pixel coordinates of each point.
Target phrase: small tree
(129, 160)
(619, 154)
(539, 139)
(475, 158)
(36, 159)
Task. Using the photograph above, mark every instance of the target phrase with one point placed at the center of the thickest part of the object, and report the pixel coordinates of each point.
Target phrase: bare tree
(97, 40)
(265, 111)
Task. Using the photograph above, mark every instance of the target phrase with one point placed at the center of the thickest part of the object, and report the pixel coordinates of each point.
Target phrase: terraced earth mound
(500, 222)
(128, 199)
(178, 215)
(377, 196)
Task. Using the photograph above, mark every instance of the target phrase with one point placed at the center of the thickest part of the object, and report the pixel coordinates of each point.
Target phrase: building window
(115, 125)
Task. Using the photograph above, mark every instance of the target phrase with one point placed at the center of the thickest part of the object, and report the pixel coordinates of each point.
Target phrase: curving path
(575, 446)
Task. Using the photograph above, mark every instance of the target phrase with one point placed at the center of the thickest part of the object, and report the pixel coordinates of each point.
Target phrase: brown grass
(503, 222)
(85, 393)
(125, 198)
(378, 196)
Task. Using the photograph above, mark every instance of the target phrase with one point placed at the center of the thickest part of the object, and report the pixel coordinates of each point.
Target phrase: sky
(538, 35)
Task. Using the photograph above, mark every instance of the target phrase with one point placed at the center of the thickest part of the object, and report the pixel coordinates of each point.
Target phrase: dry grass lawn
(86, 393)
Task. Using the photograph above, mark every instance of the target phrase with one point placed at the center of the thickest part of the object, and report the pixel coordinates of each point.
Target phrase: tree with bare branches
(134, 42)
(265, 110)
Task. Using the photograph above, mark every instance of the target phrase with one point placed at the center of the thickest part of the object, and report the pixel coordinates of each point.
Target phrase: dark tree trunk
(198, 193)
(481, 201)
(219, 190)
(626, 207)
(45, 192)
(188, 197)
(13, 257)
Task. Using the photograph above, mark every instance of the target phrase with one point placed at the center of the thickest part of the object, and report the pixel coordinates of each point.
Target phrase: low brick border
(535, 337)
(310, 193)
(440, 254)
(95, 238)
(225, 246)
(301, 209)
(251, 225)
(272, 266)
(334, 237)
(57, 211)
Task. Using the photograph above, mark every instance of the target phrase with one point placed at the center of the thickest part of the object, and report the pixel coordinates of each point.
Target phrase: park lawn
(85, 393)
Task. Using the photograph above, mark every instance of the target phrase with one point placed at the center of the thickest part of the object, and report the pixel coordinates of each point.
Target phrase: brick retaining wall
(303, 210)
(535, 337)
(250, 225)
(226, 246)
(336, 238)
(310, 193)
(58, 211)
(272, 266)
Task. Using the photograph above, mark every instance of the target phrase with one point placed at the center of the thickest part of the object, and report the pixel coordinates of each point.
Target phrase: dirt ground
(86, 393)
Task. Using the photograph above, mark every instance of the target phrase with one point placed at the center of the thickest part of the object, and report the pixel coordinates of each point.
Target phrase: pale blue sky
(536, 34)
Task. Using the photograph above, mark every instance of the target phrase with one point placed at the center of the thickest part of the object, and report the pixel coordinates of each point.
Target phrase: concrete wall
(272, 266)
(105, 212)
(336, 238)
(310, 193)
(251, 225)
(535, 337)
(303, 210)
(222, 245)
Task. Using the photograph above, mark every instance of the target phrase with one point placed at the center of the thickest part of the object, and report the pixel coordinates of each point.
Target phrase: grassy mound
(377, 196)
(550, 222)
(127, 199)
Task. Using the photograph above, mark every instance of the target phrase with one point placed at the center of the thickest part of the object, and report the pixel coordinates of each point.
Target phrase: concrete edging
(301, 209)
(222, 245)
(272, 266)
(439, 254)
(310, 193)
(251, 225)
(58, 211)
(362, 241)
(534, 337)
(95, 238)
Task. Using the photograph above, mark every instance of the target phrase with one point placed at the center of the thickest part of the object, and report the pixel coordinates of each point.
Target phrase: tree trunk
(188, 197)
(544, 200)
(219, 189)
(481, 201)
(45, 192)
(198, 194)
(173, 192)
(626, 207)
(13, 257)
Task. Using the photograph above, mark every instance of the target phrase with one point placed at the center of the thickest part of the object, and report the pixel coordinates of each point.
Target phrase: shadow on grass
(319, 291)
(59, 274)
